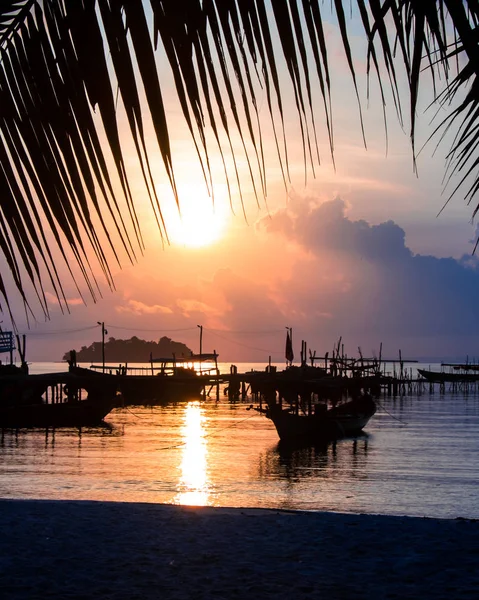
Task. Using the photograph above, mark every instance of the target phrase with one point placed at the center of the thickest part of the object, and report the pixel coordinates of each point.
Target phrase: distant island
(132, 350)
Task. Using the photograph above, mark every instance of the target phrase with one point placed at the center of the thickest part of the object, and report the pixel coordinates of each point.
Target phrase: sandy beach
(64, 549)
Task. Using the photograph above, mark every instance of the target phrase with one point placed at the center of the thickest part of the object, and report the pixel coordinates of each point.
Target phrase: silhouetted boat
(462, 366)
(322, 423)
(441, 377)
(149, 389)
(79, 413)
(54, 400)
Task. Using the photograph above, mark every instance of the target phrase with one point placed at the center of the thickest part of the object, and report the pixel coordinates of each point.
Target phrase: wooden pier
(255, 385)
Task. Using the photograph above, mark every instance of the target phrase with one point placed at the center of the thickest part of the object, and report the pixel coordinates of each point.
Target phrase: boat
(462, 366)
(80, 413)
(54, 400)
(442, 377)
(322, 423)
(147, 388)
(166, 380)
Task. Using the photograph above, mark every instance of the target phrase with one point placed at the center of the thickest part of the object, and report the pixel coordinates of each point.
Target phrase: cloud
(325, 226)
(140, 308)
(251, 304)
(313, 267)
(188, 306)
(373, 286)
(52, 299)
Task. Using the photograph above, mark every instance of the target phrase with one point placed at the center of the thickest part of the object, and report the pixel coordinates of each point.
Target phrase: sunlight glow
(201, 222)
(193, 488)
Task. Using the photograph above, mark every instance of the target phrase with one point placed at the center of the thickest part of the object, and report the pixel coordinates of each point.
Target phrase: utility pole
(103, 332)
(201, 340)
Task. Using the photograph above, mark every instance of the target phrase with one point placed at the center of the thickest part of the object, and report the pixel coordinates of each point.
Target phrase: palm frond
(63, 61)
(12, 15)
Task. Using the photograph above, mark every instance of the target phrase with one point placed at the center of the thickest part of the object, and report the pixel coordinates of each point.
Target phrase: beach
(120, 551)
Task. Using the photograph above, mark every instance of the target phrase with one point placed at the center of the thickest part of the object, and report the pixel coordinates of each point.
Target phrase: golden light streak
(193, 488)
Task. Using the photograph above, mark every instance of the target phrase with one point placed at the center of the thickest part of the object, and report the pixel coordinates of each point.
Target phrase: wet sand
(119, 551)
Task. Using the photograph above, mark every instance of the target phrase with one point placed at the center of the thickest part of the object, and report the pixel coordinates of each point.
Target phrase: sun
(200, 221)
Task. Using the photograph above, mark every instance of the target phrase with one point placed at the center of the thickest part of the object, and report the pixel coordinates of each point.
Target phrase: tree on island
(132, 350)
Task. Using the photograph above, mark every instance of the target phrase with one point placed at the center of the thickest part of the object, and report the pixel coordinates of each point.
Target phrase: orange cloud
(139, 308)
(52, 299)
(189, 306)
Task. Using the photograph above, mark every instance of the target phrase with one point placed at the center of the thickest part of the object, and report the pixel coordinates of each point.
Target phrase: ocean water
(417, 457)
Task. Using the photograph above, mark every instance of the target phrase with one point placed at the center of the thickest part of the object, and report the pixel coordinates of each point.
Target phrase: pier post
(103, 332)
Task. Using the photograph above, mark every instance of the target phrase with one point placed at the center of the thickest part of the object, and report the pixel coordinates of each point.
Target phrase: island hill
(132, 350)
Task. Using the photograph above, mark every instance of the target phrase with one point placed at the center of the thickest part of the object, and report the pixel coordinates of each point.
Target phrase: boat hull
(440, 377)
(55, 400)
(345, 420)
(154, 389)
(62, 414)
(148, 389)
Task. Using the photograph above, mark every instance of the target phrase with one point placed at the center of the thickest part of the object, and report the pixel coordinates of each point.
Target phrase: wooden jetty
(176, 378)
(329, 377)
(389, 377)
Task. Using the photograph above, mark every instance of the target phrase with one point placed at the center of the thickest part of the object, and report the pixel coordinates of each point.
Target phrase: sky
(357, 251)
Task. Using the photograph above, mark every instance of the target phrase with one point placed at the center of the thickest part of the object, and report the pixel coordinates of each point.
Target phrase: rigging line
(149, 329)
(259, 332)
(240, 344)
(40, 333)
(391, 415)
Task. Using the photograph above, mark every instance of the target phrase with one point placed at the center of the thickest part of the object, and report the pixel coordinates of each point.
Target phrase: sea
(418, 456)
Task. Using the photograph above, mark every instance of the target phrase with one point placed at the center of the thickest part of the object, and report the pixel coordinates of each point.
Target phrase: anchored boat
(54, 400)
(443, 377)
(81, 413)
(321, 422)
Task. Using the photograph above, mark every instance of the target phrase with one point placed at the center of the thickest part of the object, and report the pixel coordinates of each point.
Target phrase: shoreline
(115, 550)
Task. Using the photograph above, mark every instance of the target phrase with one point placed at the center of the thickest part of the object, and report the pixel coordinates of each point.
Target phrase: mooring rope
(134, 414)
(391, 415)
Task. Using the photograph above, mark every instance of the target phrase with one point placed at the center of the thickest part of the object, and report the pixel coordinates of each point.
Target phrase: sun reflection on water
(193, 487)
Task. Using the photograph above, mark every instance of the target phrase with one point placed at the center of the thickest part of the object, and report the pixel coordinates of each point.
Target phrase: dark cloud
(326, 226)
(375, 288)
